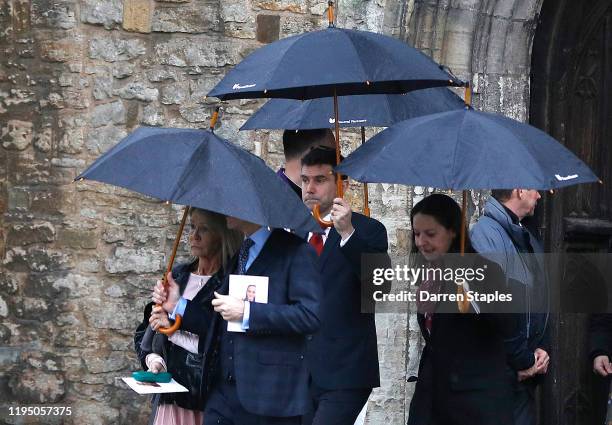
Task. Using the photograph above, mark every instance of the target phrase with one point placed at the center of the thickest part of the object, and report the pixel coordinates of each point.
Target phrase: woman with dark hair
(462, 378)
(212, 244)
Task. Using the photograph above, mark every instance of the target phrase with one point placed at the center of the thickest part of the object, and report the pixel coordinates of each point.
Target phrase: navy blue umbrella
(333, 60)
(197, 168)
(462, 150)
(466, 149)
(378, 110)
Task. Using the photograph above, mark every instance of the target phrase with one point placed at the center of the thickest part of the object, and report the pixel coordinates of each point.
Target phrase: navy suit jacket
(600, 335)
(344, 353)
(269, 359)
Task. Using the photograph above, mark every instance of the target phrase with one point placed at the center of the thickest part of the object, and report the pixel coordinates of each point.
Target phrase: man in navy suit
(342, 355)
(258, 377)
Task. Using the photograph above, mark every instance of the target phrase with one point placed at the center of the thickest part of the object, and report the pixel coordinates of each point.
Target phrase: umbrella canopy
(197, 168)
(466, 149)
(378, 110)
(317, 63)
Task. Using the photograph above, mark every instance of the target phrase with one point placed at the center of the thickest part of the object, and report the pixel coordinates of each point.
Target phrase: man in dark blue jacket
(342, 356)
(500, 232)
(258, 377)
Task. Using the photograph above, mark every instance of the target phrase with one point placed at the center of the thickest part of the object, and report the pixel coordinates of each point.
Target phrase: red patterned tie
(316, 240)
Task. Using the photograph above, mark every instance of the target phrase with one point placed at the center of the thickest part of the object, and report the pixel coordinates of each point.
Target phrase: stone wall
(77, 260)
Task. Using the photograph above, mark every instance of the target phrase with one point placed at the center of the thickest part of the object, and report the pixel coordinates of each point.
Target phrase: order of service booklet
(155, 387)
(247, 288)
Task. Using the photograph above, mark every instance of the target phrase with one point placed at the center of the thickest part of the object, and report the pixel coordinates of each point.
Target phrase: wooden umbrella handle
(213, 118)
(316, 213)
(175, 327)
(462, 302)
(178, 320)
(366, 202)
(467, 98)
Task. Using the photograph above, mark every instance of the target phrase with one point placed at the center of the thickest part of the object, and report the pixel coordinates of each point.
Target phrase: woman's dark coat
(185, 367)
(462, 374)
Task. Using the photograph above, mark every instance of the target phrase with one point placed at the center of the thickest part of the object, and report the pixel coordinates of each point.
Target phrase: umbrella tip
(454, 81)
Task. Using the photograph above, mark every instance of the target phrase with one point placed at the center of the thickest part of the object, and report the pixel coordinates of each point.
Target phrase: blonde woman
(212, 244)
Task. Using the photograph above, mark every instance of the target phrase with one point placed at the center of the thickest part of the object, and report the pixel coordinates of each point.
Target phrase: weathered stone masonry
(77, 260)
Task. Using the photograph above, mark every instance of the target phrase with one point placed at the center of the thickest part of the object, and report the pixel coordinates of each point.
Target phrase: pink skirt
(171, 414)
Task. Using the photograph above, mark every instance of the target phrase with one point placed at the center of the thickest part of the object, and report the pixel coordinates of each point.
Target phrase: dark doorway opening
(571, 99)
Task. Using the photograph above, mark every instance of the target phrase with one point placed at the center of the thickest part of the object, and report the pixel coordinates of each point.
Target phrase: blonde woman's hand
(159, 318)
(167, 298)
(155, 363)
(156, 367)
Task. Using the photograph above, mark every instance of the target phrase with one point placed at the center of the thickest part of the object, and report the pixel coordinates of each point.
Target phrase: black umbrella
(330, 63)
(197, 168)
(466, 149)
(376, 110)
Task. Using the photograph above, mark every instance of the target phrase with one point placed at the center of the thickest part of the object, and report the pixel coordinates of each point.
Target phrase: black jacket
(344, 353)
(462, 374)
(600, 335)
(271, 375)
(186, 368)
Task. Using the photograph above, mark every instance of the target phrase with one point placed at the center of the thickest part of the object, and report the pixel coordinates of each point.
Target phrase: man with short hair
(500, 231)
(342, 355)
(296, 143)
(259, 376)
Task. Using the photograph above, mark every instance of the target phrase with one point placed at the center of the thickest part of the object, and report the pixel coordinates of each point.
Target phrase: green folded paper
(144, 376)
